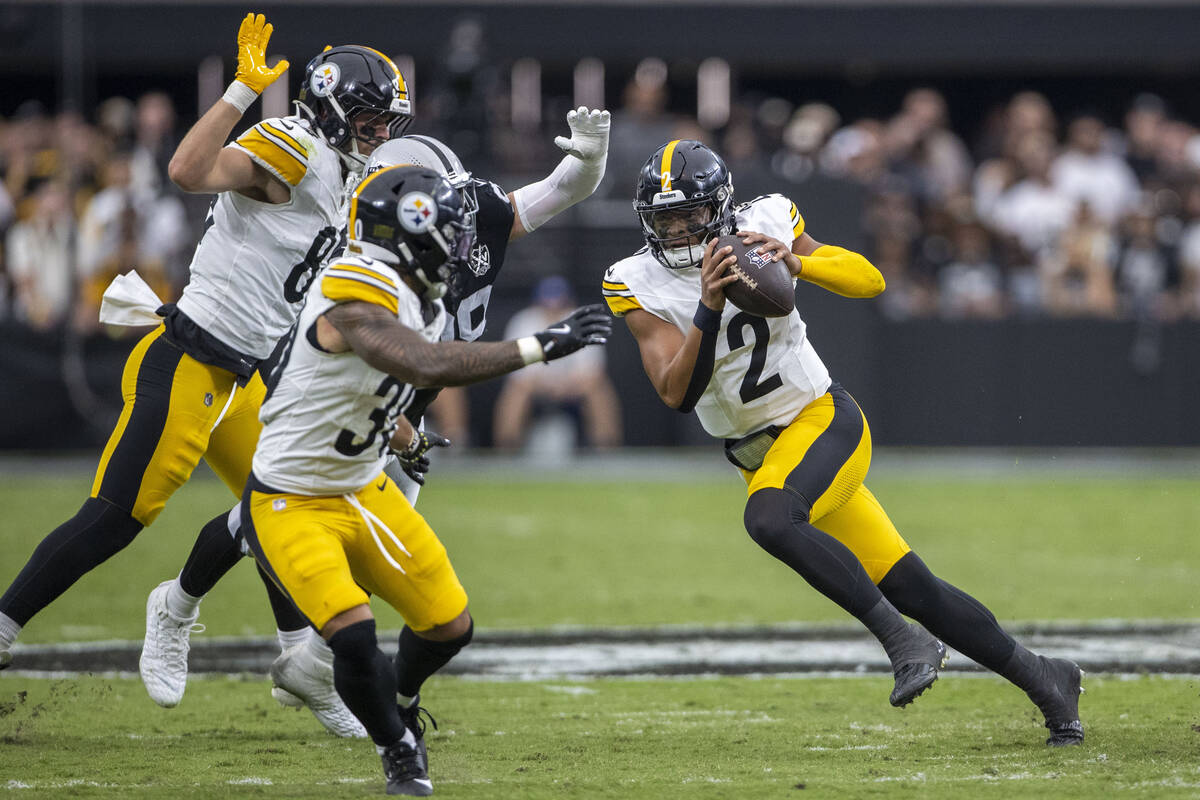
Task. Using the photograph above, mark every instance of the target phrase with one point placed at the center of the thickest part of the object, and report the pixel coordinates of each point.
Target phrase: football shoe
(163, 664)
(301, 680)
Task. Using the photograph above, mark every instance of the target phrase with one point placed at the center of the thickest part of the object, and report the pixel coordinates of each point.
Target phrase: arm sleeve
(571, 181)
(278, 147)
(841, 271)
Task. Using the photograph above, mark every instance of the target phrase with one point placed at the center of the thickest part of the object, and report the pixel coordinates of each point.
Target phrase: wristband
(707, 320)
(531, 350)
(240, 96)
(412, 443)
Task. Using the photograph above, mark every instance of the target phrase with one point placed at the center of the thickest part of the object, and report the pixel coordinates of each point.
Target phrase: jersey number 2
(751, 388)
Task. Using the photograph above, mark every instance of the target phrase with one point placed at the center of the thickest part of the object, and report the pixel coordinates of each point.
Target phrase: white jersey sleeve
(765, 371)
(328, 417)
(256, 259)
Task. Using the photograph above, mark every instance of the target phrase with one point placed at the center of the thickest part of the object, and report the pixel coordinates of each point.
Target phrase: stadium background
(967, 350)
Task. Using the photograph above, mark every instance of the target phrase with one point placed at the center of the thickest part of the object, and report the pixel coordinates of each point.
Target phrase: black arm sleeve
(709, 323)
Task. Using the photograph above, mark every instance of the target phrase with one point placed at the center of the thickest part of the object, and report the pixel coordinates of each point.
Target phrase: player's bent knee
(767, 518)
(111, 523)
(461, 627)
(355, 642)
(353, 616)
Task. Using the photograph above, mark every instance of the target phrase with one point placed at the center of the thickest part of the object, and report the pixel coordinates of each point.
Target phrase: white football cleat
(301, 680)
(163, 663)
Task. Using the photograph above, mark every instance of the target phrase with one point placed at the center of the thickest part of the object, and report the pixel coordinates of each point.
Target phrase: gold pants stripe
(171, 403)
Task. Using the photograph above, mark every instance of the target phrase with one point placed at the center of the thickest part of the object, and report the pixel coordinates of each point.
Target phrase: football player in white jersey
(190, 387)
(301, 673)
(799, 439)
(319, 513)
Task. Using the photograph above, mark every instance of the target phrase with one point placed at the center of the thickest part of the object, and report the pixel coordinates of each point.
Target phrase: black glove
(588, 325)
(414, 459)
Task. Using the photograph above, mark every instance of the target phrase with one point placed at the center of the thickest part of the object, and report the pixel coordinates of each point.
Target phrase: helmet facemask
(677, 232)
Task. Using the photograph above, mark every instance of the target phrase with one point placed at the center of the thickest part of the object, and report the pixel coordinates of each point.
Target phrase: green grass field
(718, 738)
(537, 554)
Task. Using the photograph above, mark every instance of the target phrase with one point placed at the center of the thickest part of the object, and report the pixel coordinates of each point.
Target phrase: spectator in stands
(581, 388)
(127, 226)
(1034, 210)
(1089, 172)
(1077, 276)
(1144, 268)
(805, 135)
(1189, 254)
(40, 258)
(909, 295)
(642, 117)
(1143, 126)
(972, 284)
(856, 152)
(154, 143)
(921, 147)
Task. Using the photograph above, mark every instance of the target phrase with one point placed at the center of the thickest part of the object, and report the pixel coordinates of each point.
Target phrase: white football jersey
(255, 259)
(765, 370)
(328, 417)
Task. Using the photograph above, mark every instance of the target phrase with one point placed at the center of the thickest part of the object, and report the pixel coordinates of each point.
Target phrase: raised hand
(589, 135)
(252, 39)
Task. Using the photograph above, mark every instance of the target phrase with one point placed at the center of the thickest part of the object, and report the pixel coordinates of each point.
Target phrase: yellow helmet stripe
(353, 215)
(665, 167)
(399, 78)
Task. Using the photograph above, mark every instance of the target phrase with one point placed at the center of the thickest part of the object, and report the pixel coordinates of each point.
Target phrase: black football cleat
(1057, 696)
(405, 770)
(918, 669)
(414, 717)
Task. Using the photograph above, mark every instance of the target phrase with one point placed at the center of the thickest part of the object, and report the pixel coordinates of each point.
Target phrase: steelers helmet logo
(417, 212)
(324, 79)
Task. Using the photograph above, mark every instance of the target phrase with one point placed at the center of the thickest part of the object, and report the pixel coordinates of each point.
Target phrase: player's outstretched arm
(575, 177)
(680, 364)
(377, 337)
(833, 268)
(201, 163)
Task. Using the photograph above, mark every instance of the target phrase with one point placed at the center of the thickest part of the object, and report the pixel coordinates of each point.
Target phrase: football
(764, 287)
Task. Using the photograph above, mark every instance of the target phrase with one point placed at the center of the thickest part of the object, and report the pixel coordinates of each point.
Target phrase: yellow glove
(252, 54)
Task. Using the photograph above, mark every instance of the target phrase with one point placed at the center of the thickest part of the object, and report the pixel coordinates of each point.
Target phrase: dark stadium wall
(1053, 383)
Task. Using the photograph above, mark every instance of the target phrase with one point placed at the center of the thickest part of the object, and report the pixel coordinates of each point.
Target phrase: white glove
(589, 135)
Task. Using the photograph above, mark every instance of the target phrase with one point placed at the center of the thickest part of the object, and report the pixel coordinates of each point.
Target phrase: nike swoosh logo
(382, 484)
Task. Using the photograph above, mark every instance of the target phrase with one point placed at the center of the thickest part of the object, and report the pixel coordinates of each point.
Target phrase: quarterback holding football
(799, 439)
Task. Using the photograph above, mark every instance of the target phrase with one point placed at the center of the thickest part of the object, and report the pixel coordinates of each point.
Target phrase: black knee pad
(355, 642)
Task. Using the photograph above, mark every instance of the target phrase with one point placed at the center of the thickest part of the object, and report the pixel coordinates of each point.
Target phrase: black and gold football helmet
(684, 198)
(414, 219)
(348, 85)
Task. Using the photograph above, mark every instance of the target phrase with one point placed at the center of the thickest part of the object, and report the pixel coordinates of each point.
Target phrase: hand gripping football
(764, 287)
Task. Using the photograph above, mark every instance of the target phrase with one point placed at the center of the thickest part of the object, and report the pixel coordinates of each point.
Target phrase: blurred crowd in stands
(1039, 212)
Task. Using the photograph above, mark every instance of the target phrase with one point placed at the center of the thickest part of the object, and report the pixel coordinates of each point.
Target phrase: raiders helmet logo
(417, 212)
